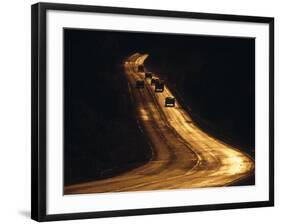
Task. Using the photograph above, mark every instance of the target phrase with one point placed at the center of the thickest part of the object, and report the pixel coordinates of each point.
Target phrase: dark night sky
(214, 75)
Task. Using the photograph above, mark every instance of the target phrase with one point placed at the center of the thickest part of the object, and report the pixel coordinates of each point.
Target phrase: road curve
(183, 155)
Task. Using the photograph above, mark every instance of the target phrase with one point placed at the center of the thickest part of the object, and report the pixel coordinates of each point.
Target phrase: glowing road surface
(183, 155)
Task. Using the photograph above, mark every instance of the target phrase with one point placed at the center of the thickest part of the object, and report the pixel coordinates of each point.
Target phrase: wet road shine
(183, 156)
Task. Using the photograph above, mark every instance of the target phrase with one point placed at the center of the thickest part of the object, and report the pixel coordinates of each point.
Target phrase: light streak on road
(184, 156)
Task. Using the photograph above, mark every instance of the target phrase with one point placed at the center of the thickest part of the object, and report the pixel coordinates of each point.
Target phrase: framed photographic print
(138, 111)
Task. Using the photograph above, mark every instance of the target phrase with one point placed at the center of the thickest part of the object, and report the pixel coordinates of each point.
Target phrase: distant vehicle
(140, 68)
(140, 84)
(153, 81)
(159, 86)
(170, 101)
(148, 75)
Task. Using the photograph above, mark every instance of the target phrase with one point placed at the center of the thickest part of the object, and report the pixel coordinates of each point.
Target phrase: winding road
(183, 156)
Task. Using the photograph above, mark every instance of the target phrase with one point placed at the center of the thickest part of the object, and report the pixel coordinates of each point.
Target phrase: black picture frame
(38, 92)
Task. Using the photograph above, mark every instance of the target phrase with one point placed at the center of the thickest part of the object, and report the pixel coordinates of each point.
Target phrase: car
(170, 101)
(153, 81)
(159, 86)
(148, 75)
(140, 84)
